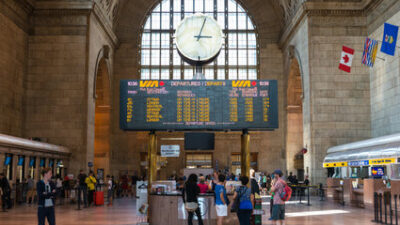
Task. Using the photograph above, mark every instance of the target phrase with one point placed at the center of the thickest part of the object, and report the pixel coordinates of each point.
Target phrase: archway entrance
(294, 140)
(102, 119)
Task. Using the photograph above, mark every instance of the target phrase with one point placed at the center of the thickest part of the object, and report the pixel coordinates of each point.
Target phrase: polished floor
(123, 213)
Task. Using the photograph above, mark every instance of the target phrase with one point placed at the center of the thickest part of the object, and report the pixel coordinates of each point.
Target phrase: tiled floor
(123, 212)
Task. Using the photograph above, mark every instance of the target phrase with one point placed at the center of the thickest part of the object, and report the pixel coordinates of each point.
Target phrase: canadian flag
(346, 59)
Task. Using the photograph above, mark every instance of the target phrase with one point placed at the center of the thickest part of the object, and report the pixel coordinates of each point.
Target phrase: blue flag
(389, 39)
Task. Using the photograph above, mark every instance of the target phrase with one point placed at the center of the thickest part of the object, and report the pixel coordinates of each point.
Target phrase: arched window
(159, 59)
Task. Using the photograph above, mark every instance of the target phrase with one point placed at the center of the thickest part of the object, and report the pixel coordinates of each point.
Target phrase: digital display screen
(32, 162)
(21, 161)
(7, 161)
(198, 105)
(42, 162)
(199, 141)
(378, 171)
(51, 163)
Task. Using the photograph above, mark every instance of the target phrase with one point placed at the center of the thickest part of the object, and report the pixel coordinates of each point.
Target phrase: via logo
(150, 83)
(243, 83)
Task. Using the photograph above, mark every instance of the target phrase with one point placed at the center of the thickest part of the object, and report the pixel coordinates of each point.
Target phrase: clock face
(199, 37)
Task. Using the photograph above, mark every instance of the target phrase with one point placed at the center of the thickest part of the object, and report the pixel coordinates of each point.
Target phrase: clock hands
(201, 30)
(200, 36)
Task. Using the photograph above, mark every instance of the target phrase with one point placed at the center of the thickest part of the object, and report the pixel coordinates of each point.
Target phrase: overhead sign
(335, 164)
(90, 164)
(198, 104)
(170, 150)
(359, 163)
(382, 161)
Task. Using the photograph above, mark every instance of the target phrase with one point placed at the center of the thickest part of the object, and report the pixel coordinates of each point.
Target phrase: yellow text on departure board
(129, 110)
(153, 110)
(203, 105)
(179, 110)
(266, 106)
(233, 109)
(192, 109)
(248, 110)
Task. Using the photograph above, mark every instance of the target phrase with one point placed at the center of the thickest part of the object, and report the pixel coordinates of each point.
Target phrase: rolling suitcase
(98, 198)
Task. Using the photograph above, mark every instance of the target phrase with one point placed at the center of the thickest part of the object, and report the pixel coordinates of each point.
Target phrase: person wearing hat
(278, 208)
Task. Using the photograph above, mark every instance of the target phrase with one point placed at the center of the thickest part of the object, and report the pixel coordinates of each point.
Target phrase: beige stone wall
(336, 105)
(340, 108)
(56, 83)
(385, 84)
(300, 42)
(13, 62)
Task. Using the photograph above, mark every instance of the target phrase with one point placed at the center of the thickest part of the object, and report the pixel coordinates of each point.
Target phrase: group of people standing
(243, 198)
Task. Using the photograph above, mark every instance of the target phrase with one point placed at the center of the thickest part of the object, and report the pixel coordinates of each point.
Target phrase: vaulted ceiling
(267, 15)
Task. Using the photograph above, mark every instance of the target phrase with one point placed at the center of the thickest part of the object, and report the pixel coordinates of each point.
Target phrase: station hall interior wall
(13, 63)
(385, 77)
(269, 145)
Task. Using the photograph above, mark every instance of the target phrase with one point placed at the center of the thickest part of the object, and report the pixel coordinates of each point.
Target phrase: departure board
(198, 105)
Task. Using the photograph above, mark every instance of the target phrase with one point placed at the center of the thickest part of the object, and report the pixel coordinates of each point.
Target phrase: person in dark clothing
(254, 185)
(246, 201)
(46, 192)
(191, 191)
(5, 192)
(135, 179)
(290, 178)
(82, 188)
(306, 181)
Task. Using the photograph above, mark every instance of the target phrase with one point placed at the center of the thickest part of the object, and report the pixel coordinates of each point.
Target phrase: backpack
(287, 193)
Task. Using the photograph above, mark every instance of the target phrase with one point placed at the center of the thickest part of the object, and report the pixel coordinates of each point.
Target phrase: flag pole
(383, 59)
(382, 42)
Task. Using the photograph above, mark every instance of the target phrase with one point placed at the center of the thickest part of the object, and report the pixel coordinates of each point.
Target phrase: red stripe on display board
(344, 68)
(348, 50)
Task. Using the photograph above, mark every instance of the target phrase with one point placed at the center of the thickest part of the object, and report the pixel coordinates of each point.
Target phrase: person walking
(221, 200)
(191, 191)
(46, 192)
(5, 190)
(278, 209)
(246, 201)
(82, 188)
(31, 190)
(109, 190)
(90, 182)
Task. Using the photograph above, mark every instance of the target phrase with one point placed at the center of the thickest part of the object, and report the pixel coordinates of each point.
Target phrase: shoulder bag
(190, 206)
(236, 202)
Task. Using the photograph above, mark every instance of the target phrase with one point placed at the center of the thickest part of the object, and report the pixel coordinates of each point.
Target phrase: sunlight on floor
(316, 213)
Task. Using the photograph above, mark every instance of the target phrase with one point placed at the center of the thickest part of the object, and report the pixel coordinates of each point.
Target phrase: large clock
(199, 39)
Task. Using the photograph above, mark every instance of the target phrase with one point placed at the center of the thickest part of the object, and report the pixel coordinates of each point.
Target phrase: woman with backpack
(244, 201)
(190, 193)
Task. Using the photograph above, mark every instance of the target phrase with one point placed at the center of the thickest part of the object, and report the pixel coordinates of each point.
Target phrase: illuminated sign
(170, 150)
(198, 104)
(335, 164)
(359, 163)
(382, 161)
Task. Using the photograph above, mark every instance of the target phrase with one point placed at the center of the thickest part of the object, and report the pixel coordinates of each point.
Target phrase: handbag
(190, 206)
(236, 202)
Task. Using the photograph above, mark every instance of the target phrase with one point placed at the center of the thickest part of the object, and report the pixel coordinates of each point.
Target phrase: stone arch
(294, 138)
(102, 95)
(101, 61)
